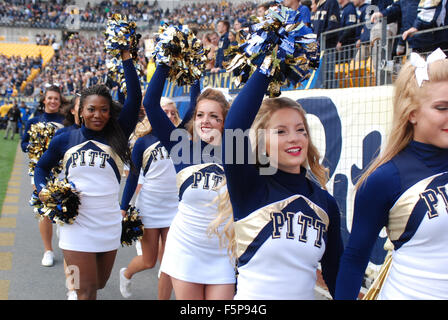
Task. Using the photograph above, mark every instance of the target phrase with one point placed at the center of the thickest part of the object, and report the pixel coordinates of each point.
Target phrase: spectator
(431, 15)
(304, 11)
(232, 38)
(362, 32)
(223, 30)
(405, 13)
(327, 18)
(262, 8)
(13, 117)
(347, 37)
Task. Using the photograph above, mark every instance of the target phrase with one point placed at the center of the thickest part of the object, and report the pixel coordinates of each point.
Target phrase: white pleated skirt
(193, 256)
(97, 227)
(157, 209)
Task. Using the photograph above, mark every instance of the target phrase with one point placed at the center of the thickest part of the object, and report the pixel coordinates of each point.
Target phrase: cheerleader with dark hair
(50, 113)
(71, 112)
(93, 158)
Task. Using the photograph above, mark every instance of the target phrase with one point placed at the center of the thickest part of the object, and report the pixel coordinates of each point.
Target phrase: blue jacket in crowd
(348, 18)
(327, 17)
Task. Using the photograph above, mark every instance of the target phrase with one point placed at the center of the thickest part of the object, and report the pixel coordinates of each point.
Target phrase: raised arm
(129, 115)
(195, 91)
(161, 125)
(245, 106)
(132, 180)
(242, 175)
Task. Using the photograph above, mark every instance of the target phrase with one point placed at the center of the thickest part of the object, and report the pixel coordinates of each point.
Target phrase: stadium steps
(28, 50)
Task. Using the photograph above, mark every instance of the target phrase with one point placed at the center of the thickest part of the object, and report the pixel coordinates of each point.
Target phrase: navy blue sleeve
(161, 125)
(334, 247)
(333, 16)
(195, 91)
(427, 15)
(349, 18)
(393, 12)
(129, 114)
(49, 160)
(26, 136)
(132, 180)
(240, 174)
(373, 201)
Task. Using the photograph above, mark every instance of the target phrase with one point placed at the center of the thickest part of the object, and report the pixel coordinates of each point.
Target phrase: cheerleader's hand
(123, 213)
(44, 194)
(125, 55)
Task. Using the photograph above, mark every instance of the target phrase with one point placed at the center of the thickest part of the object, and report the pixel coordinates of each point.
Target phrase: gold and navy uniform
(89, 162)
(191, 254)
(408, 196)
(285, 224)
(158, 198)
(55, 119)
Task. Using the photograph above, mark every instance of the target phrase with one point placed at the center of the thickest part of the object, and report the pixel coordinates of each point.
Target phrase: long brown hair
(213, 95)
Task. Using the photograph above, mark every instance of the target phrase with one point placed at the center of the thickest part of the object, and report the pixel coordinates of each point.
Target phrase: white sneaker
(125, 284)
(71, 295)
(48, 259)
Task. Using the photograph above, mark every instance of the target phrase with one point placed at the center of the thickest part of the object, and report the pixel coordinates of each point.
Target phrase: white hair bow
(421, 66)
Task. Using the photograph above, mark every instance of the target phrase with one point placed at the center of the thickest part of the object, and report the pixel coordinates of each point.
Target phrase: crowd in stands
(13, 72)
(56, 13)
(36, 13)
(136, 11)
(217, 24)
(45, 39)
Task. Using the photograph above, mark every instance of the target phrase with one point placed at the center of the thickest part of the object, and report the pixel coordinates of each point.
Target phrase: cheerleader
(404, 190)
(285, 222)
(93, 157)
(198, 265)
(51, 103)
(157, 199)
(71, 121)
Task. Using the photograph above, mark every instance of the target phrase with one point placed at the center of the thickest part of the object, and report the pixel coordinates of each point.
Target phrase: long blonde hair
(225, 211)
(267, 109)
(226, 235)
(407, 99)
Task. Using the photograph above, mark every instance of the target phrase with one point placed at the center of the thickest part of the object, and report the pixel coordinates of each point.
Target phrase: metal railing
(370, 63)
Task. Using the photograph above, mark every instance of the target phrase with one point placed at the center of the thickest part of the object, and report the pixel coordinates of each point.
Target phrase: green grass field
(8, 150)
